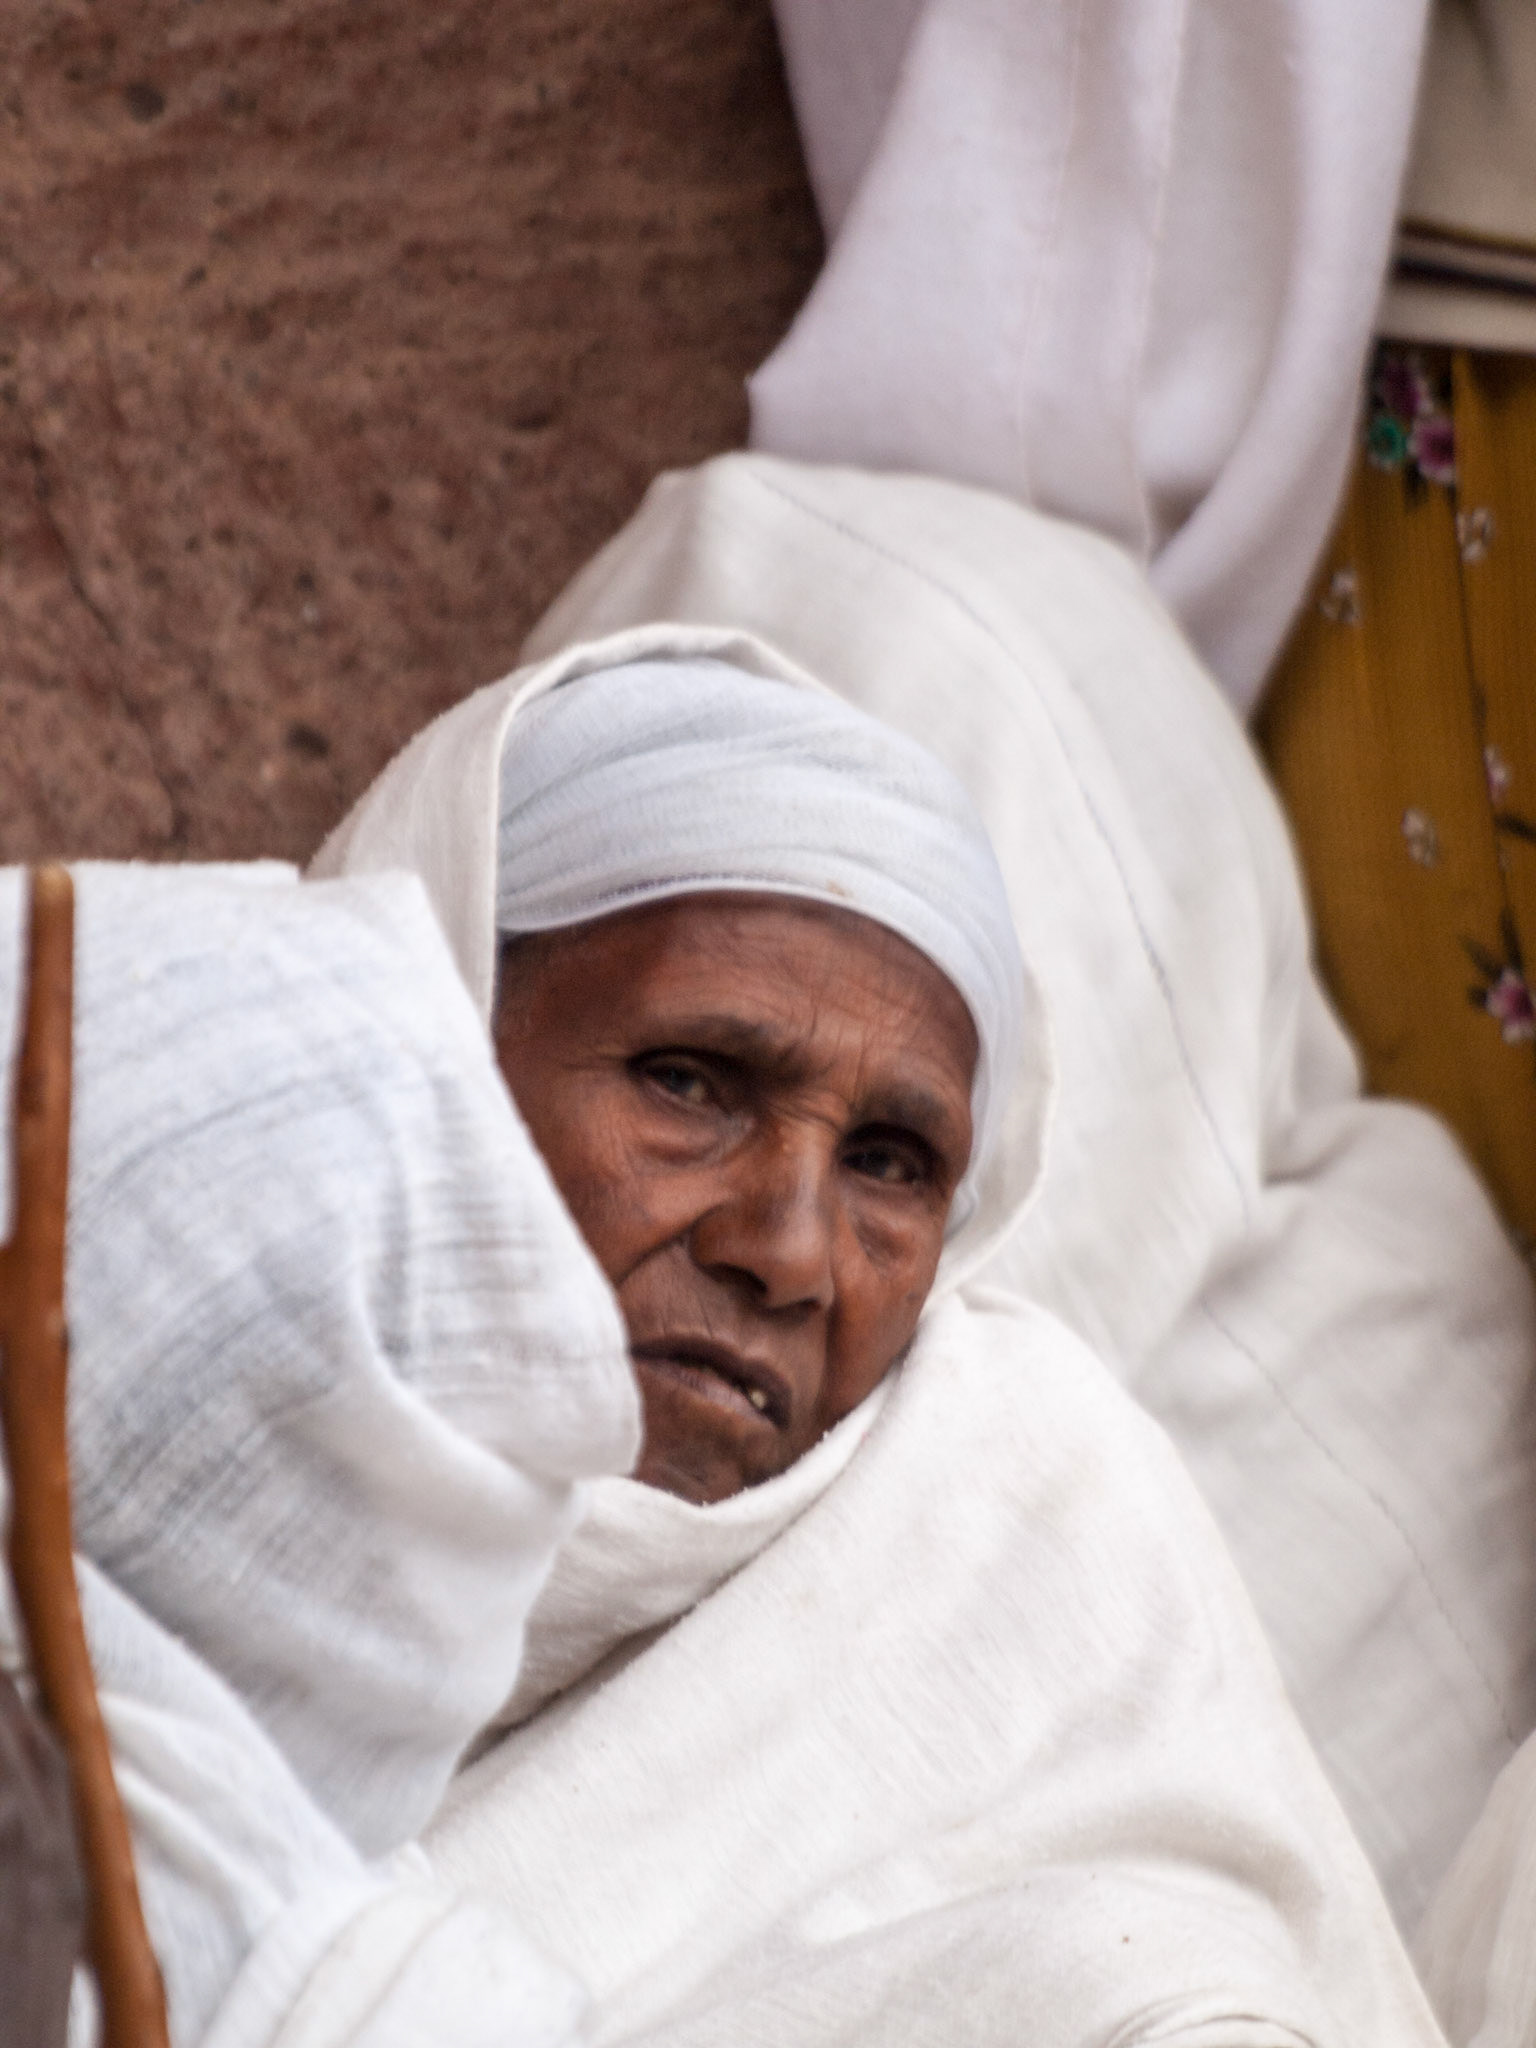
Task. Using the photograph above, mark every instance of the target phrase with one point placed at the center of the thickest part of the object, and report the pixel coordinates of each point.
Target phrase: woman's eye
(680, 1079)
(894, 1162)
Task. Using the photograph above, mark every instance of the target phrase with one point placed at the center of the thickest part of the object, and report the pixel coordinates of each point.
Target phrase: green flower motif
(1386, 441)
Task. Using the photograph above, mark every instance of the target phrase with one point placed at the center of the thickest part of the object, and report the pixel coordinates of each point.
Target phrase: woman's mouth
(744, 1385)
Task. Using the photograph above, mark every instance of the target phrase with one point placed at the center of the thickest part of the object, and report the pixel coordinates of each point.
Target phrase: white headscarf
(671, 778)
(436, 810)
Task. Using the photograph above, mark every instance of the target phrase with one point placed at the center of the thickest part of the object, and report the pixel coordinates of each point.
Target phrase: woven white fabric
(960, 1730)
(674, 778)
(1472, 177)
(340, 1366)
(1119, 259)
(966, 1738)
(252, 1897)
(1310, 1290)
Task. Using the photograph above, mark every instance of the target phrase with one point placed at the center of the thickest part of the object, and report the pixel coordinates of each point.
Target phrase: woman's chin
(695, 1447)
(694, 1478)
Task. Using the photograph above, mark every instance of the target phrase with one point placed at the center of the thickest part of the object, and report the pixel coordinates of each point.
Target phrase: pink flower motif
(1340, 603)
(1432, 444)
(1475, 531)
(1421, 838)
(1509, 1003)
(1402, 385)
(1497, 769)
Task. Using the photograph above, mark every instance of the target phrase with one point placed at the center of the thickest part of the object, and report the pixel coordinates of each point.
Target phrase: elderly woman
(904, 1694)
(761, 1005)
(907, 1693)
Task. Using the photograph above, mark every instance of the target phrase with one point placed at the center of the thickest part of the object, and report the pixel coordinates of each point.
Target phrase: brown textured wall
(334, 334)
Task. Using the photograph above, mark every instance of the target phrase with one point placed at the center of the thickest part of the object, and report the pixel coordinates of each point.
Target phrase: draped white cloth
(1119, 259)
(340, 1367)
(966, 1734)
(823, 1804)
(978, 1744)
(1309, 1290)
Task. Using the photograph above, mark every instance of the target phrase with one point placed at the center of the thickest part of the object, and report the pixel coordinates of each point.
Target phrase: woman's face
(758, 1111)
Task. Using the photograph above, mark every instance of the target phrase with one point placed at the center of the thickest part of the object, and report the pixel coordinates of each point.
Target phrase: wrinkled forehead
(797, 994)
(789, 958)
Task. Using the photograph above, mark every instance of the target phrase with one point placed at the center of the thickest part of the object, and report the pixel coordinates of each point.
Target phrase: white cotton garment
(341, 1368)
(981, 1746)
(660, 779)
(251, 1894)
(961, 1731)
(1309, 1290)
(1117, 259)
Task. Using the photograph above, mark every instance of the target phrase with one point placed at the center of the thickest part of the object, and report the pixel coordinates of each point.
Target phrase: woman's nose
(774, 1225)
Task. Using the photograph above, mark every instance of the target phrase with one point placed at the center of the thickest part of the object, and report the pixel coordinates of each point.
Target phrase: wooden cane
(34, 1425)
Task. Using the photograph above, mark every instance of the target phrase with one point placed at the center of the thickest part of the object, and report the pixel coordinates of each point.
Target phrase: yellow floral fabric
(1401, 729)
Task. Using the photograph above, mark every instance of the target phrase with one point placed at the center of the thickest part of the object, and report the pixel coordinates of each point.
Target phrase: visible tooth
(757, 1397)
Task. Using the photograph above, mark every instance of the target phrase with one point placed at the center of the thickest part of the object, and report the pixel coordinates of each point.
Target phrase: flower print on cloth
(1432, 445)
(1408, 419)
(1340, 602)
(1399, 385)
(1504, 991)
(1475, 530)
(1421, 838)
(1508, 1002)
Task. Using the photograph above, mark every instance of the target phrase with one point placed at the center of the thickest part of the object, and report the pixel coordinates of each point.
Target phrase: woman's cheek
(894, 1246)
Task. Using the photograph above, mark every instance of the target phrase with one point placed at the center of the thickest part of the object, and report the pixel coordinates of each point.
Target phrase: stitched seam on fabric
(1160, 973)
(1378, 1501)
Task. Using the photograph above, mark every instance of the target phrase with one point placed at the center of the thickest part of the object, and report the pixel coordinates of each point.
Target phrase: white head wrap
(667, 778)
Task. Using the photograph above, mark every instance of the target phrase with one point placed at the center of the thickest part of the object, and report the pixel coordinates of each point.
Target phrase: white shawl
(339, 1365)
(966, 1733)
(984, 1747)
(1309, 1290)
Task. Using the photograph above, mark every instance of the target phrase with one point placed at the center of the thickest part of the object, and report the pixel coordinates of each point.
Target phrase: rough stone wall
(334, 335)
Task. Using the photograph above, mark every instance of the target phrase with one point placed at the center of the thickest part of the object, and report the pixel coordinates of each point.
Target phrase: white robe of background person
(1118, 259)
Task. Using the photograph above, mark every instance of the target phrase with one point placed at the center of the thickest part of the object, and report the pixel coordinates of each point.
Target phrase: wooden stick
(34, 1421)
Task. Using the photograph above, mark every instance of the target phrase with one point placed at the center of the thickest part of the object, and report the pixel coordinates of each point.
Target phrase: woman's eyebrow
(912, 1107)
(748, 1039)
